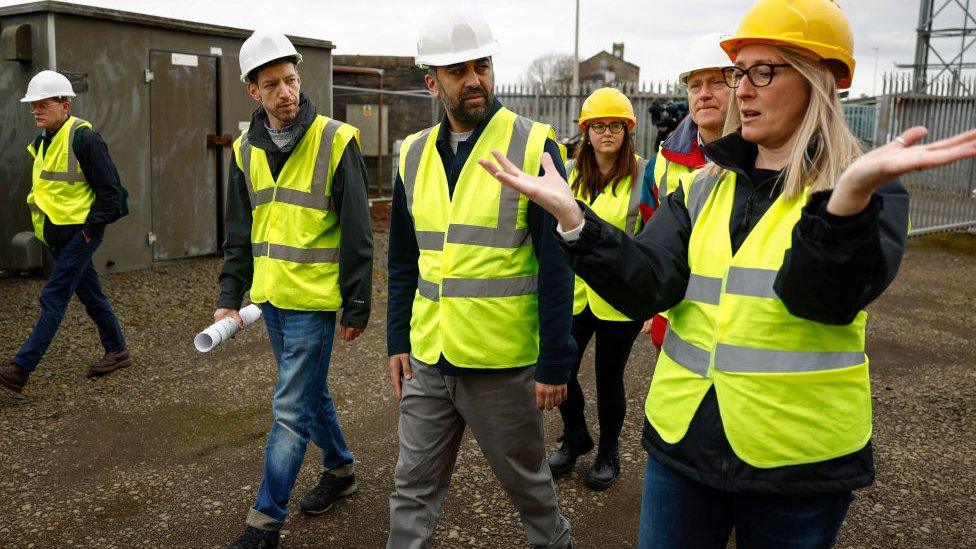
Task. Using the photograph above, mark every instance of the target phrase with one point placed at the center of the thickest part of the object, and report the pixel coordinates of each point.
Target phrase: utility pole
(573, 107)
(874, 82)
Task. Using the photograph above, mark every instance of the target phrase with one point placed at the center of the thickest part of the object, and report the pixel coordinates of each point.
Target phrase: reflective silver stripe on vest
(489, 287)
(701, 189)
(685, 354)
(428, 289)
(74, 173)
(633, 208)
(731, 358)
(296, 255)
(704, 289)
(412, 166)
(430, 240)
(504, 235)
(662, 186)
(316, 198)
(751, 282)
(477, 235)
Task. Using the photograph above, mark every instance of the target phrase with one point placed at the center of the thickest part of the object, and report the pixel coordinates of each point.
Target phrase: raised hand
(550, 191)
(901, 156)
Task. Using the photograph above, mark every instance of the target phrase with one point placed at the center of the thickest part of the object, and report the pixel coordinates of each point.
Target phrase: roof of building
(608, 54)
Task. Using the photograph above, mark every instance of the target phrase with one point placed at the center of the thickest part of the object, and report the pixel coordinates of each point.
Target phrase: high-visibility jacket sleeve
(638, 276)
(102, 176)
(237, 272)
(356, 237)
(838, 265)
(557, 349)
(402, 273)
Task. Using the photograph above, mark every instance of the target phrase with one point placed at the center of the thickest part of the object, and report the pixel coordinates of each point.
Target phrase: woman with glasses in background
(759, 410)
(606, 174)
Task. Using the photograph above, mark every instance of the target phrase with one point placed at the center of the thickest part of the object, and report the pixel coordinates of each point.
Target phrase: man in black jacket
(75, 192)
(299, 237)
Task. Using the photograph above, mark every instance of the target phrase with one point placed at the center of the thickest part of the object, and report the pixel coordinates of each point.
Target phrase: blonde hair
(824, 145)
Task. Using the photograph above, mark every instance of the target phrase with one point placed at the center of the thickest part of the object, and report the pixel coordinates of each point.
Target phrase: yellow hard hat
(607, 103)
(816, 27)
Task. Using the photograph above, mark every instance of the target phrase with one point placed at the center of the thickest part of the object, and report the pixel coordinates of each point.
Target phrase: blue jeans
(303, 408)
(74, 273)
(679, 512)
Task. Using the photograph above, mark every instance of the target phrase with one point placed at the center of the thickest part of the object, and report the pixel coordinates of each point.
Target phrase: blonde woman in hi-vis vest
(758, 417)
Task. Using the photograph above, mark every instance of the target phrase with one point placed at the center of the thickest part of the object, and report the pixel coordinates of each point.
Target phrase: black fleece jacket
(835, 268)
(348, 198)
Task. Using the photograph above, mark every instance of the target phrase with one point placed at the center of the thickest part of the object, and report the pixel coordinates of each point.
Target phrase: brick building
(606, 67)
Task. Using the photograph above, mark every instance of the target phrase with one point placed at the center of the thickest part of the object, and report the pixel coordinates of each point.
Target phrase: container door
(183, 104)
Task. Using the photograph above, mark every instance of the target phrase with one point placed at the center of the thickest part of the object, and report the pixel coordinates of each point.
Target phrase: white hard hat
(704, 53)
(454, 34)
(47, 84)
(263, 47)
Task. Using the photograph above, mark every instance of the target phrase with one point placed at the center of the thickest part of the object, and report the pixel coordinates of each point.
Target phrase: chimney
(618, 50)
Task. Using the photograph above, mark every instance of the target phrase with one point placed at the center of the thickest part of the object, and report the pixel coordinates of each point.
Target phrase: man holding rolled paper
(299, 237)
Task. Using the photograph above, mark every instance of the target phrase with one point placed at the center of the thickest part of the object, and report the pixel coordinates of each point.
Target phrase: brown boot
(113, 360)
(13, 378)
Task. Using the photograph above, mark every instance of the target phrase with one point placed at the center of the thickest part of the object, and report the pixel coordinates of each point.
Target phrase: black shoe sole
(559, 472)
(96, 373)
(345, 493)
(599, 486)
(16, 392)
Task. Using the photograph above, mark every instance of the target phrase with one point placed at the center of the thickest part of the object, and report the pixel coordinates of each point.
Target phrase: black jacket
(836, 267)
(348, 199)
(102, 177)
(557, 350)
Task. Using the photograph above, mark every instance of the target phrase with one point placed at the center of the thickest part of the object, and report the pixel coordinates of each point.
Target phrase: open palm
(550, 191)
(901, 156)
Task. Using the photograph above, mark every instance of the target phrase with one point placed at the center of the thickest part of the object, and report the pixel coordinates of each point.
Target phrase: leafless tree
(549, 71)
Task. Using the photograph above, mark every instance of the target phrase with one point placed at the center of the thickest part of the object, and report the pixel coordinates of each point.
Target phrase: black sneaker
(604, 471)
(255, 538)
(330, 489)
(574, 445)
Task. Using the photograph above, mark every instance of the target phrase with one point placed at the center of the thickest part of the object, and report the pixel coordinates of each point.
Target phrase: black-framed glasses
(760, 75)
(615, 127)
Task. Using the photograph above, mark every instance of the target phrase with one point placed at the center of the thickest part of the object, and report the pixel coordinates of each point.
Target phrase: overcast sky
(655, 32)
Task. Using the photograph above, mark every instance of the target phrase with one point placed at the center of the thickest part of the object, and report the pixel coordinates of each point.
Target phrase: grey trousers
(500, 409)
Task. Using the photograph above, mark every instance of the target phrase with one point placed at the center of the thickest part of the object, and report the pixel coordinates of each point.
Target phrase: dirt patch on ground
(168, 453)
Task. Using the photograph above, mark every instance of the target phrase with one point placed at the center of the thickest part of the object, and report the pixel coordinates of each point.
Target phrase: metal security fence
(559, 107)
(942, 198)
(862, 120)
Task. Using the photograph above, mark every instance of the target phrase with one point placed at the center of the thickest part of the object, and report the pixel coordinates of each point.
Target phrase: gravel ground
(168, 453)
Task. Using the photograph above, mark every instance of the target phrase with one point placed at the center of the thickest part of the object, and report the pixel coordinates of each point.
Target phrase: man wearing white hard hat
(75, 193)
(480, 296)
(299, 238)
(681, 153)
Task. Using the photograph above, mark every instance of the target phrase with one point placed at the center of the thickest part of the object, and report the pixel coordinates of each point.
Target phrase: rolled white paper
(224, 329)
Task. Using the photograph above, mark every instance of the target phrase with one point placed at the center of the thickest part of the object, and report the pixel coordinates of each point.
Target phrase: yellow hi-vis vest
(476, 301)
(790, 391)
(622, 210)
(666, 174)
(295, 230)
(59, 189)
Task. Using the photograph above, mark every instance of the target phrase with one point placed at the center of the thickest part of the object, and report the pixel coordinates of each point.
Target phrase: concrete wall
(115, 55)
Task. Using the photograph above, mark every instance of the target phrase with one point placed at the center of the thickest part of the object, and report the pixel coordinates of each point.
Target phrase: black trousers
(614, 340)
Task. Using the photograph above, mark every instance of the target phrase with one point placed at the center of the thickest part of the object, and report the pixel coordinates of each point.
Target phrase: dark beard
(470, 116)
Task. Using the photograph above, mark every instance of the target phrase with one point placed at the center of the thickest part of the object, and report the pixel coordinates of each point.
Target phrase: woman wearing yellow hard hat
(759, 410)
(604, 173)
